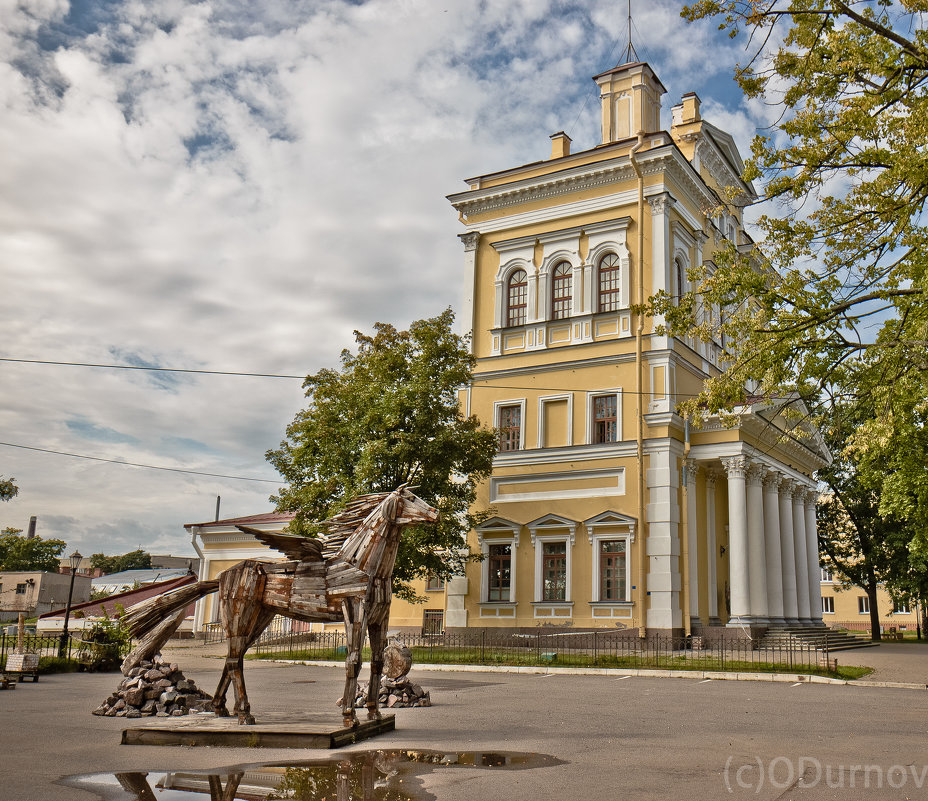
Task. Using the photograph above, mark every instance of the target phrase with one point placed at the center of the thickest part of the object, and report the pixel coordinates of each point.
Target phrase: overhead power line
(136, 464)
(150, 369)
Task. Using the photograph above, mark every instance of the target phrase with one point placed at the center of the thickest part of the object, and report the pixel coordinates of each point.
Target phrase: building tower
(607, 511)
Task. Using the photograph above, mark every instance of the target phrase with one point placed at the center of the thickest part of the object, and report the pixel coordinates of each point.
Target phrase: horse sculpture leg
(376, 633)
(354, 613)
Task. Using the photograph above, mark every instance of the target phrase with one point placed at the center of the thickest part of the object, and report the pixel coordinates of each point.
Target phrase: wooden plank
(260, 736)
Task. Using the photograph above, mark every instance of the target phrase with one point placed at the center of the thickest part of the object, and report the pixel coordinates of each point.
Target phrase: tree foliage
(8, 489)
(868, 543)
(836, 311)
(29, 553)
(389, 416)
(134, 560)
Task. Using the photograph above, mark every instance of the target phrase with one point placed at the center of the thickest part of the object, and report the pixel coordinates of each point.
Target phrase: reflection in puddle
(357, 776)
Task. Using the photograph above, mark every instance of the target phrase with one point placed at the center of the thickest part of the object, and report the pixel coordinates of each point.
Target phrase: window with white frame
(828, 604)
(553, 540)
(604, 415)
(516, 298)
(561, 291)
(609, 294)
(827, 575)
(611, 536)
(509, 418)
(499, 573)
(900, 607)
(863, 605)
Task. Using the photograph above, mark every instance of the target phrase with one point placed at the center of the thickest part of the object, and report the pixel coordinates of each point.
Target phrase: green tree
(391, 415)
(839, 312)
(29, 553)
(8, 489)
(134, 560)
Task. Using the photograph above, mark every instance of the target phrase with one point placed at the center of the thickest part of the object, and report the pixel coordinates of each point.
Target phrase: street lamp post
(75, 560)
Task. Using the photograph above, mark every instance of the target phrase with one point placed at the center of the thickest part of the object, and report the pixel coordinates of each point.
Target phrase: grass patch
(531, 658)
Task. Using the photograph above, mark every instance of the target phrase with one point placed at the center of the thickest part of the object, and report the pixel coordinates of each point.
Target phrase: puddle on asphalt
(382, 775)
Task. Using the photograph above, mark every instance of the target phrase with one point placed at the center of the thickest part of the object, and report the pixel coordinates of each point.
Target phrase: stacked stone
(398, 692)
(157, 689)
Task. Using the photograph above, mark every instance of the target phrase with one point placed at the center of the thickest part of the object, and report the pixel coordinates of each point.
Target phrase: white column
(466, 320)
(663, 543)
(735, 468)
(802, 555)
(788, 553)
(661, 205)
(712, 578)
(815, 568)
(692, 539)
(772, 542)
(757, 556)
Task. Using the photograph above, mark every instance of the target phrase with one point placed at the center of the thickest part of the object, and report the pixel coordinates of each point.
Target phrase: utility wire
(136, 464)
(151, 369)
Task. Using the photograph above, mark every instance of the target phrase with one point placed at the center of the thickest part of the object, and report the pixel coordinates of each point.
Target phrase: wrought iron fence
(581, 649)
(41, 644)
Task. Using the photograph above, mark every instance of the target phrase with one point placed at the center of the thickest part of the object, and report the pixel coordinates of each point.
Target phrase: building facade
(607, 510)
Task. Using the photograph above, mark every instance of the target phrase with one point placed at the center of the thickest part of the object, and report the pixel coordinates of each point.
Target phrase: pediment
(551, 521)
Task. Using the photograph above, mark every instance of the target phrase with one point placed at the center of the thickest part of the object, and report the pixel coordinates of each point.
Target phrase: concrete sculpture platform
(311, 731)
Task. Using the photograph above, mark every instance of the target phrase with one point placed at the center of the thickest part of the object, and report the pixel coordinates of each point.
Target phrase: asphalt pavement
(611, 737)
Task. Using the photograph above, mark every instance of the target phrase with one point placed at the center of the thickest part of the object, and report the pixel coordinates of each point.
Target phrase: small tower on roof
(631, 101)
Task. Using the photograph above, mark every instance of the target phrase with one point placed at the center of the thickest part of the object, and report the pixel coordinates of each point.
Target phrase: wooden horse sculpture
(345, 576)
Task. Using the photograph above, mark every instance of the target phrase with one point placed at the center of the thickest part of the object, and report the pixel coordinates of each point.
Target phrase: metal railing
(582, 649)
(43, 645)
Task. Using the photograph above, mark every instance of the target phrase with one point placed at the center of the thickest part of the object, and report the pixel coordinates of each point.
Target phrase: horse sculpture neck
(376, 540)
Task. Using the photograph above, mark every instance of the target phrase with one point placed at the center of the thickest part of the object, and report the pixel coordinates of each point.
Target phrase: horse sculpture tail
(156, 619)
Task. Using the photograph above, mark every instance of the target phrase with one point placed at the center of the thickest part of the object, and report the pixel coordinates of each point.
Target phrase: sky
(238, 186)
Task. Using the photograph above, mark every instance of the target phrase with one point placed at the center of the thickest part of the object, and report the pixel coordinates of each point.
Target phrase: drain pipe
(685, 521)
(642, 599)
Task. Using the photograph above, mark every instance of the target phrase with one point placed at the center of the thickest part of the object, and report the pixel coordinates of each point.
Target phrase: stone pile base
(154, 689)
(399, 692)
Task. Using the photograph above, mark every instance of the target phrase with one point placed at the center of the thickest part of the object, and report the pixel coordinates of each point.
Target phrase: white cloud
(228, 185)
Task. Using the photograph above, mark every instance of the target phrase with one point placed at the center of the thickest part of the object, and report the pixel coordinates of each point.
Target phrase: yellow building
(848, 607)
(607, 512)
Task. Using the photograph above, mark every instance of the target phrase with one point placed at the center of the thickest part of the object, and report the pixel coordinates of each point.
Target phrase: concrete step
(816, 637)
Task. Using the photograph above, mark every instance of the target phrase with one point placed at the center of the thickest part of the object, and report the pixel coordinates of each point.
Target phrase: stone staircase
(815, 637)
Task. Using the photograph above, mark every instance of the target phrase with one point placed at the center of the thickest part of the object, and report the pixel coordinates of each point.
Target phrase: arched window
(561, 291)
(679, 279)
(609, 283)
(517, 297)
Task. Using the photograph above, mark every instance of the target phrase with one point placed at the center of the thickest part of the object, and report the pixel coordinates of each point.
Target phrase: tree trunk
(874, 609)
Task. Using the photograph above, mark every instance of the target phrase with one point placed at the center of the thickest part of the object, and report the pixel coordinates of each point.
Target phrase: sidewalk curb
(716, 675)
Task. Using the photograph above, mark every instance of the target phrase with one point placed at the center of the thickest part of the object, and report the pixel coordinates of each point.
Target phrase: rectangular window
(499, 572)
(554, 571)
(612, 570)
(901, 608)
(433, 621)
(605, 420)
(434, 582)
(20, 589)
(827, 574)
(510, 427)
(828, 604)
(863, 604)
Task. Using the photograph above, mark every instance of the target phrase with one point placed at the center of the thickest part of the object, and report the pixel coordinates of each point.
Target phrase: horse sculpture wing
(302, 549)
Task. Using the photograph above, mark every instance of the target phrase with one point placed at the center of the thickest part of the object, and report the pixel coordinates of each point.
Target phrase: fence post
(483, 643)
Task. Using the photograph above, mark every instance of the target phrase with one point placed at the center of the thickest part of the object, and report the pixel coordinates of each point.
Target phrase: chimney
(31, 534)
(560, 145)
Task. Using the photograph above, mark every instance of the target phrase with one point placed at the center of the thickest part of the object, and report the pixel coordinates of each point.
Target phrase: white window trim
(596, 537)
(520, 402)
(538, 542)
(828, 611)
(569, 397)
(617, 391)
(863, 600)
(485, 543)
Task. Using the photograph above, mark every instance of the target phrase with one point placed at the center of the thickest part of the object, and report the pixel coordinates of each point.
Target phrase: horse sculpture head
(403, 507)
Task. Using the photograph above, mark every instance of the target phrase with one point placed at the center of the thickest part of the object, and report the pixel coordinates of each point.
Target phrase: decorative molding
(661, 204)
(735, 466)
(470, 240)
